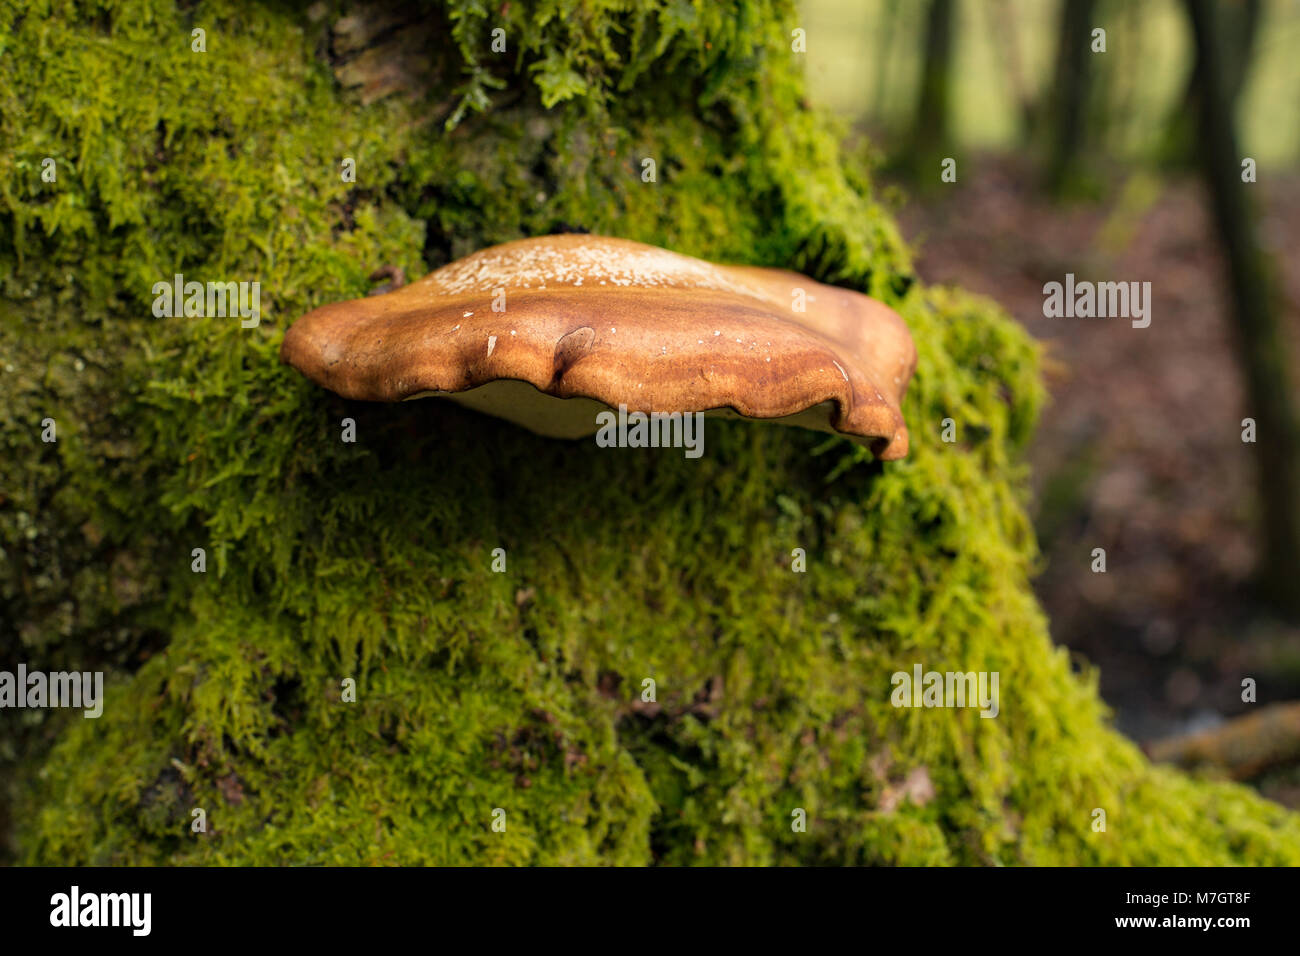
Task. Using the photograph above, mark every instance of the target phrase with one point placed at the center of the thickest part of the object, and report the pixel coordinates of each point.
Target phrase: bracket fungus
(551, 331)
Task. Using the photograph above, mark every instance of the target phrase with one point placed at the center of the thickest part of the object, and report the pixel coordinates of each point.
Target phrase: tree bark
(1243, 748)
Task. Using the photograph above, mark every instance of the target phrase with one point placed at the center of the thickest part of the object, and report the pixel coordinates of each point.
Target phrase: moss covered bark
(518, 691)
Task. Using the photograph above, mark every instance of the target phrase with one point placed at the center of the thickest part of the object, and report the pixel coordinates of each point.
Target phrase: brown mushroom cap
(592, 322)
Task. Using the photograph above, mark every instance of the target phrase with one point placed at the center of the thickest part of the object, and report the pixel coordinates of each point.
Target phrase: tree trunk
(1239, 27)
(930, 128)
(885, 46)
(1002, 16)
(1260, 339)
(1069, 94)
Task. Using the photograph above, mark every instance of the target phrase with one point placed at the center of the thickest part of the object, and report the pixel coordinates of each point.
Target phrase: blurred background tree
(930, 126)
(1067, 102)
(1217, 82)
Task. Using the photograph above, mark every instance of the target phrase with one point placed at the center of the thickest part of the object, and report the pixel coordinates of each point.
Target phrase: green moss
(372, 561)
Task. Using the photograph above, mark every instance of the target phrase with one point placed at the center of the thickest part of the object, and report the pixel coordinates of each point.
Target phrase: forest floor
(1140, 451)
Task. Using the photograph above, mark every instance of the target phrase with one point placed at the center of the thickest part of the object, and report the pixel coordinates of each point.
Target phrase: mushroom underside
(525, 405)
